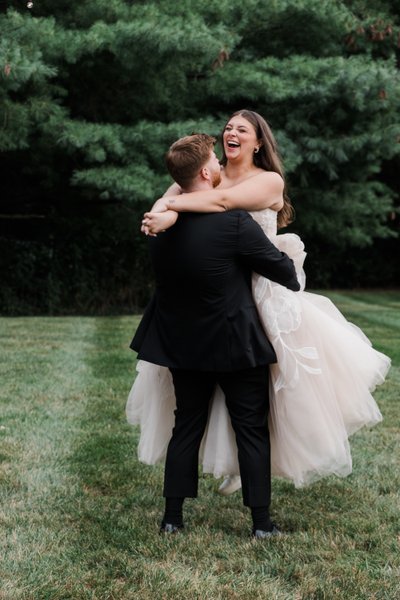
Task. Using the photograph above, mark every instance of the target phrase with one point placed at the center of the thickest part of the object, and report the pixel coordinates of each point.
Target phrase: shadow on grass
(118, 499)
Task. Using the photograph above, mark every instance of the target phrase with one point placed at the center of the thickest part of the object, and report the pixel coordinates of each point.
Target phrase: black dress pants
(247, 400)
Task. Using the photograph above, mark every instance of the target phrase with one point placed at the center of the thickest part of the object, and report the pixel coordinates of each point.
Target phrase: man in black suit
(203, 324)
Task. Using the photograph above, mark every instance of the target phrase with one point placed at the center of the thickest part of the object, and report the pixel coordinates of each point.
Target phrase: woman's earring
(256, 150)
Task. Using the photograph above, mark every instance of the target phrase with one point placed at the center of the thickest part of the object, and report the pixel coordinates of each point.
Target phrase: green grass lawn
(79, 514)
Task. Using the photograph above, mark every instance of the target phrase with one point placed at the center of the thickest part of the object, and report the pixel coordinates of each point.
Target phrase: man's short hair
(187, 156)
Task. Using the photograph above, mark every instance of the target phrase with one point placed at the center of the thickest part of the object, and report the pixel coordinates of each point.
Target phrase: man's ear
(205, 173)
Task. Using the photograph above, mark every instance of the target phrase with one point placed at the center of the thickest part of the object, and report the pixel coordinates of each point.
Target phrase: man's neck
(197, 186)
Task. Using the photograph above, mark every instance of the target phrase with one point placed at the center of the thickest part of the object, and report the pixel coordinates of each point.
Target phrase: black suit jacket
(203, 315)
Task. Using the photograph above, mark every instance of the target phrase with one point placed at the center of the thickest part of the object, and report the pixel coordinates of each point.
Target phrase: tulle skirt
(320, 389)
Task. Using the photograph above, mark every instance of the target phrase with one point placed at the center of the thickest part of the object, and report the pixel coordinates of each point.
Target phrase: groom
(203, 324)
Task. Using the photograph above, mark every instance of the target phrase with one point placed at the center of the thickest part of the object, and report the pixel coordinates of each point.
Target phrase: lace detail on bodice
(267, 219)
(280, 308)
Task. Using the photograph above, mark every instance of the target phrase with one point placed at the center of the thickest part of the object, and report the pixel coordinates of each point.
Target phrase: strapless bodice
(267, 219)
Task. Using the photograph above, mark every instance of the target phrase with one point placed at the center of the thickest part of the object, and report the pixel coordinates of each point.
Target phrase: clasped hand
(158, 219)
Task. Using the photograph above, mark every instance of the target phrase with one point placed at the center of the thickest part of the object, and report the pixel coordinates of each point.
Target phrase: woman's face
(239, 137)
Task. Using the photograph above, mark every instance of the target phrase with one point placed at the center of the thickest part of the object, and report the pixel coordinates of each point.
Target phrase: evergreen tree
(93, 92)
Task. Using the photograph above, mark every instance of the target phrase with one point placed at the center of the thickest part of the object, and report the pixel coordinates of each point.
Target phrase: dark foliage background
(93, 92)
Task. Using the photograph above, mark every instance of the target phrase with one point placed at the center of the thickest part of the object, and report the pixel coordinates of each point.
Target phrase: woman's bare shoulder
(255, 190)
(270, 176)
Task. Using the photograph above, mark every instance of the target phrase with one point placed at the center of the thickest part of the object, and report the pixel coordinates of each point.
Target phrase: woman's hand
(156, 222)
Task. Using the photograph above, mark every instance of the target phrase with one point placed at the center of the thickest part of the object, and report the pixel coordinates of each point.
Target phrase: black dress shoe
(170, 528)
(261, 534)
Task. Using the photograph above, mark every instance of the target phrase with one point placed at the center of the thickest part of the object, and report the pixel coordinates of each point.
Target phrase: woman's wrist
(171, 204)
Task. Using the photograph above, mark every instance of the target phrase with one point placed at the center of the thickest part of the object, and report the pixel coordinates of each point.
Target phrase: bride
(321, 385)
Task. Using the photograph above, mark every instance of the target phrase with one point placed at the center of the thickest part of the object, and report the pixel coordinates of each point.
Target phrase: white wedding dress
(320, 388)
